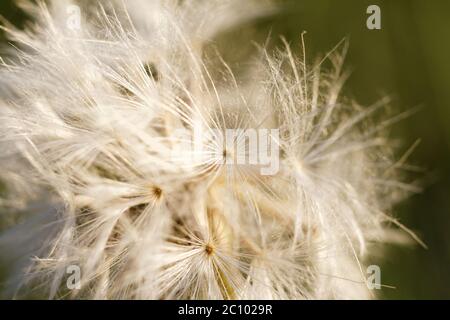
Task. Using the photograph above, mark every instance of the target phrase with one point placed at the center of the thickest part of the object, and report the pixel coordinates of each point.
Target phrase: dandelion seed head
(116, 129)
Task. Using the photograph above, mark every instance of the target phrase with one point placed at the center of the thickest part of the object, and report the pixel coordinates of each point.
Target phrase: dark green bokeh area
(409, 60)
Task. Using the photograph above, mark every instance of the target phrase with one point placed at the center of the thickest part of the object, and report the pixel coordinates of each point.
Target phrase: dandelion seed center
(209, 249)
(157, 191)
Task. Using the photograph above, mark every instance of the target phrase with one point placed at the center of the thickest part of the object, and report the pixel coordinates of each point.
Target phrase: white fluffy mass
(90, 122)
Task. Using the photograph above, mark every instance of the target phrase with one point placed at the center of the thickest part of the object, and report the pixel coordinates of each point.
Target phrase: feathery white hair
(89, 122)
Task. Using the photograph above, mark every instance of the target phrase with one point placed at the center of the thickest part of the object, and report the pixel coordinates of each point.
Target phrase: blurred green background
(408, 59)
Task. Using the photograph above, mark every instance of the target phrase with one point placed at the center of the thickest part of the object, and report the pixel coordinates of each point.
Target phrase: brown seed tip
(157, 191)
(209, 249)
